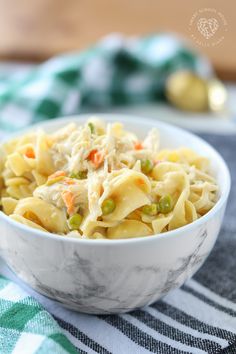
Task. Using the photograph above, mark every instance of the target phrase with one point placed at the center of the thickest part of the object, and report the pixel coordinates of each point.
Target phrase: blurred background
(31, 32)
(36, 30)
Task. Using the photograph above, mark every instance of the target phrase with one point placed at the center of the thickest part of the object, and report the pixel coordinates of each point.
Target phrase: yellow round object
(187, 91)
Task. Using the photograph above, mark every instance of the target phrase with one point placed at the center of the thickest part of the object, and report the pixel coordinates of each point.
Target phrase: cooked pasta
(98, 181)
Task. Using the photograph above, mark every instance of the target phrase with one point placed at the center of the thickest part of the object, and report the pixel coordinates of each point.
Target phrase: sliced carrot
(68, 199)
(91, 154)
(140, 181)
(68, 181)
(96, 157)
(57, 174)
(138, 146)
(30, 153)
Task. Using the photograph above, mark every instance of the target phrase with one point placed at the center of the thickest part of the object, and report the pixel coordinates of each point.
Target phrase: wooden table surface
(38, 29)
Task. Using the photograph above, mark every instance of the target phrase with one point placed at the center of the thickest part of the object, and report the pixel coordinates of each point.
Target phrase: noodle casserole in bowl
(109, 213)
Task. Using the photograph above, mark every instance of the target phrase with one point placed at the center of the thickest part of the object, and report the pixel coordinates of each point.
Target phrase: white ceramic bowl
(112, 276)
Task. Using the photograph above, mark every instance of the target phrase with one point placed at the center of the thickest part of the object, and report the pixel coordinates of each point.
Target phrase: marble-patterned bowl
(112, 276)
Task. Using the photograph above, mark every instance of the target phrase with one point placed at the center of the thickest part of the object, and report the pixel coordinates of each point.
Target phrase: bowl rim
(134, 119)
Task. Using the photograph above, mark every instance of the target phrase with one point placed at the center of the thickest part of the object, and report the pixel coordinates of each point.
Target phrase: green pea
(146, 166)
(165, 204)
(150, 209)
(92, 128)
(75, 221)
(79, 175)
(108, 206)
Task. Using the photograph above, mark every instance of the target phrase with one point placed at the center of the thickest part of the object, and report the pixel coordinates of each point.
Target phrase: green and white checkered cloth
(117, 70)
(25, 327)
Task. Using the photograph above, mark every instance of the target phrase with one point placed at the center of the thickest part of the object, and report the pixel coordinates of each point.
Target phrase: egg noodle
(99, 181)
